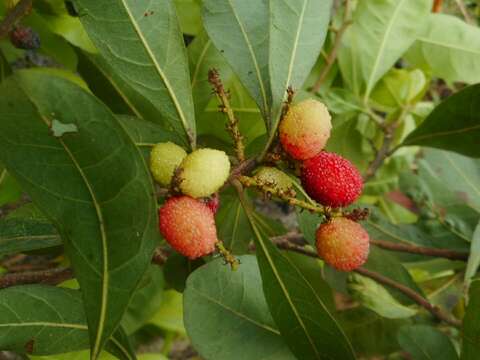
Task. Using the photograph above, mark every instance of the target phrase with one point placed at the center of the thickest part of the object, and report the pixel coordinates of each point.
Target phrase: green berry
(164, 159)
(203, 172)
(275, 177)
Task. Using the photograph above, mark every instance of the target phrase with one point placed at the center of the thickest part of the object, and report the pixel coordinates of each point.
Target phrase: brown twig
(51, 276)
(464, 11)
(284, 243)
(421, 250)
(419, 299)
(380, 156)
(226, 108)
(437, 6)
(14, 15)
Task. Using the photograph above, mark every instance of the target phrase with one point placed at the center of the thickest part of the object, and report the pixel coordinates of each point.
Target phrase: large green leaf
(474, 258)
(226, 315)
(141, 40)
(454, 124)
(91, 182)
(20, 235)
(471, 324)
(239, 29)
(297, 32)
(424, 342)
(453, 55)
(304, 321)
(43, 320)
(381, 32)
(9, 189)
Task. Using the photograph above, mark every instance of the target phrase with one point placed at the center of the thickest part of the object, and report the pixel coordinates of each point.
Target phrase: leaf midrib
(447, 45)
(159, 70)
(236, 313)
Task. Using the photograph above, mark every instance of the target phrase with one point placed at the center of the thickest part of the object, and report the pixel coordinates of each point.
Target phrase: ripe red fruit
(23, 37)
(213, 203)
(188, 225)
(331, 180)
(343, 244)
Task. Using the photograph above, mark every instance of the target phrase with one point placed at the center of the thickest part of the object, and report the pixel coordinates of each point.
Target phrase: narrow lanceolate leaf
(92, 183)
(218, 300)
(141, 40)
(471, 324)
(20, 235)
(45, 320)
(381, 32)
(453, 55)
(474, 258)
(239, 29)
(454, 124)
(297, 32)
(303, 320)
(424, 342)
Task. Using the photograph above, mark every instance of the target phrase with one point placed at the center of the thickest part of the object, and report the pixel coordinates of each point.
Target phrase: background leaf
(423, 342)
(381, 32)
(93, 184)
(49, 320)
(226, 315)
(471, 324)
(127, 33)
(439, 131)
(453, 55)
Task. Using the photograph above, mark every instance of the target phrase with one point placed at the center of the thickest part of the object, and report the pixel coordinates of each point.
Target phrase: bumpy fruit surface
(203, 172)
(305, 129)
(278, 179)
(343, 244)
(188, 226)
(23, 37)
(331, 180)
(164, 159)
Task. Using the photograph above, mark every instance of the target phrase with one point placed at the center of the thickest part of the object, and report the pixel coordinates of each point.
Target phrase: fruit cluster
(328, 178)
(187, 222)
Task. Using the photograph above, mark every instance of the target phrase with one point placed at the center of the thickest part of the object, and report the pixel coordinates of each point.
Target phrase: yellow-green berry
(274, 177)
(203, 172)
(164, 159)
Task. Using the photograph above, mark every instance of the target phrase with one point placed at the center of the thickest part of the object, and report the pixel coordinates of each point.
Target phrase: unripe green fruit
(278, 179)
(203, 172)
(305, 129)
(164, 159)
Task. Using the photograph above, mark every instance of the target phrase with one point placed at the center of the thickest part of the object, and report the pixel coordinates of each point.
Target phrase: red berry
(331, 180)
(23, 37)
(188, 226)
(343, 244)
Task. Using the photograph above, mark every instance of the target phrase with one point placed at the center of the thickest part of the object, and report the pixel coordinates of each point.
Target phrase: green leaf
(474, 258)
(93, 184)
(142, 41)
(218, 300)
(453, 55)
(381, 32)
(145, 302)
(170, 314)
(297, 32)
(10, 191)
(439, 131)
(21, 235)
(471, 324)
(204, 56)
(239, 30)
(303, 320)
(232, 225)
(423, 342)
(375, 297)
(385, 263)
(48, 320)
(189, 16)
